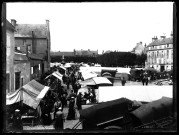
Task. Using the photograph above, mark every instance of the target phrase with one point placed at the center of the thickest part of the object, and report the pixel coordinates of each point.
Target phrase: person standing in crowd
(68, 82)
(72, 94)
(146, 80)
(63, 101)
(57, 106)
(71, 111)
(59, 120)
(123, 81)
(17, 120)
(93, 98)
(79, 101)
(86, 97)
(46, 114)
(48, 82)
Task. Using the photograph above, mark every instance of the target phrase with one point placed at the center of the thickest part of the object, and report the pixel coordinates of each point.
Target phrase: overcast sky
(98, 25)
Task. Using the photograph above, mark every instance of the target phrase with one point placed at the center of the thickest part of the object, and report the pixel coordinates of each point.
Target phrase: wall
(24, 68)
(41, 47)
(10, 43)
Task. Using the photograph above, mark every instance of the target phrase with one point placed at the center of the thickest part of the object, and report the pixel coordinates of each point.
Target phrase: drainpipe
(33, 50)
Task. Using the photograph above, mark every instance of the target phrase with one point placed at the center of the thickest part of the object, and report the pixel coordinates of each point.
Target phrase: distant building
(138, 49)
(160, 53)
(108, 51)
(62, 53)
(86, 53)
(34, 41)
(76, 53)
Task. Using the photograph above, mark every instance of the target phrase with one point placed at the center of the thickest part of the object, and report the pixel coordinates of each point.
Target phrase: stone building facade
(10, 44)
(139, 49)
(160, 53)
(34, 41)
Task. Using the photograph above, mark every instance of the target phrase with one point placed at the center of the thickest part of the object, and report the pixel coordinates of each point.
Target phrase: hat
(17, 110)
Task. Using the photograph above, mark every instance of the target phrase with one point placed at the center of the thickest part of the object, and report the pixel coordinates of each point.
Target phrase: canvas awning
(88, 75)
(31, 94)
(105, 111)
(56, 74)
(138, 93)
(155, 110)
(96, 81)
(13, 97)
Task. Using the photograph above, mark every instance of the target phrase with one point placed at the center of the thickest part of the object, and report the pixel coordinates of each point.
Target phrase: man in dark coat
(123, 81)
(79, 101)
(71, 111)
(146, 80)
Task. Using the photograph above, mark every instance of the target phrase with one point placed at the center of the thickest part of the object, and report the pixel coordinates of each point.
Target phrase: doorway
(161, 68)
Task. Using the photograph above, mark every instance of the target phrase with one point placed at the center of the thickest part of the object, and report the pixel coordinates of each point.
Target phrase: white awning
(138, 93)
(43, 92)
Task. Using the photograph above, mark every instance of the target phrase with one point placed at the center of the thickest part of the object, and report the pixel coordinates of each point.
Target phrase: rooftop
(25, 30)
(161, 41)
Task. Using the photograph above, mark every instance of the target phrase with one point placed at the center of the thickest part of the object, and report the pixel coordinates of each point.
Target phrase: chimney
(162, 37)
(145, 45)
(13, 22)
(154, 38)
(171, 34)
(141, 42)
(47, 23)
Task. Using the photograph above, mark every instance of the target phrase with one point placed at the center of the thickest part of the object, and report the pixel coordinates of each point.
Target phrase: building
(160, 53)
(10, 44)
(17, 63)
(81, 52)
(108, 51)
(34, 41)
(88, 52)
(21, 69)
(62, 53)
(138, 49)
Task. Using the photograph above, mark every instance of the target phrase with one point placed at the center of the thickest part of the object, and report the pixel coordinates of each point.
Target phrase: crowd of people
(62, 93)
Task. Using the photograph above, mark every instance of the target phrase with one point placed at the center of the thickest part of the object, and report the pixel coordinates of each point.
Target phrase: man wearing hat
(71, 110)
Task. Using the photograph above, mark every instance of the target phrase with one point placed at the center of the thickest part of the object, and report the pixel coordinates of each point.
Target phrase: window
(8, 40)
(32, 70)
(167, 54)
(17, 80)
(29, 48)
(167, 45)
(39, 67)
(8, 82)
(24, 42)
(157, 53)
(172, 54)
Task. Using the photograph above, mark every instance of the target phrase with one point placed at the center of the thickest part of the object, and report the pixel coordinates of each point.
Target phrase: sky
(97, 25)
